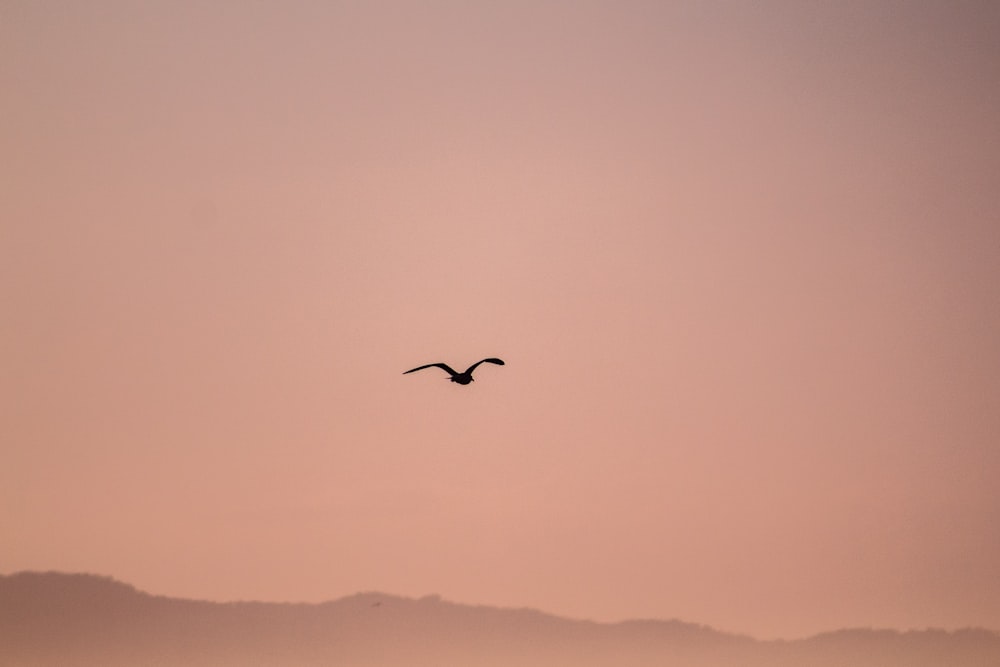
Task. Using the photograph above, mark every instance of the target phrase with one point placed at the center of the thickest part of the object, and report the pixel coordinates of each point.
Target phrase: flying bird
(461, 378)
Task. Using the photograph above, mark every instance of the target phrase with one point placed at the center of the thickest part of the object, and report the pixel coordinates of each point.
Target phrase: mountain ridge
(78, 620)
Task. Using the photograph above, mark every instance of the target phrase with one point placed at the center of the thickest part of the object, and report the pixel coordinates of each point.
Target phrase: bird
(461, 378)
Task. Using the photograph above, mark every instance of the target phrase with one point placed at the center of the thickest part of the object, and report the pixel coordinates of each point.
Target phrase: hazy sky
(742, 260)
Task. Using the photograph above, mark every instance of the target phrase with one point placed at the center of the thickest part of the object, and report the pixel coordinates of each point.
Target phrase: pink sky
(742, 260)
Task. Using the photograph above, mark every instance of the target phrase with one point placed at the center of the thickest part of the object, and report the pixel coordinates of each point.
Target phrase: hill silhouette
(78, 620)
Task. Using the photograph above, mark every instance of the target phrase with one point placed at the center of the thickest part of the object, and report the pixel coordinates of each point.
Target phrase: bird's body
(460, 378)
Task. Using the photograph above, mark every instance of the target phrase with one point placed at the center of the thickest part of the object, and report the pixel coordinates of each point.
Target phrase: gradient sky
(742, 260)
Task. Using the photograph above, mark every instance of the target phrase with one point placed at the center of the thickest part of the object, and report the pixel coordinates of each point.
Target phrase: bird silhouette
(461, 378)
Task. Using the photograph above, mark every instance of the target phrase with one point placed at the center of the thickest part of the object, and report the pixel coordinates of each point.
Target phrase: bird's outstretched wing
(491, 360)
(446, 367)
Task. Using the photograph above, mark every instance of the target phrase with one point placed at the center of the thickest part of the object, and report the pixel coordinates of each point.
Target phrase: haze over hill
(741, 260)
(77, 620)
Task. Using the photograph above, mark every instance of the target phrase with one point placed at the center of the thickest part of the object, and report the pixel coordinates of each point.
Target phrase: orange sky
(742, 260)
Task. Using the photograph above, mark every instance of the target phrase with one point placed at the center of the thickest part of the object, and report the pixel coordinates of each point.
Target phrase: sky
(742, 260)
